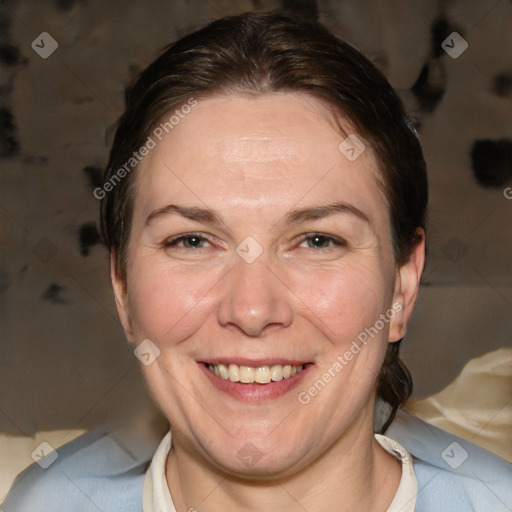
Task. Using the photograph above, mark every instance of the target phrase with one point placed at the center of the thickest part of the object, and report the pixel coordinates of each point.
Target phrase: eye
(187, 241)
(321, 241)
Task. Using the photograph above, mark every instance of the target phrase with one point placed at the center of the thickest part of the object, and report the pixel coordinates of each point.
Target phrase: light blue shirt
(94, 473)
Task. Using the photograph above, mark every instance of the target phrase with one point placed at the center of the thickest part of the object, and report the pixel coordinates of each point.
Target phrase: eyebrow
(295, 216)
(320, 212)
(204, 215)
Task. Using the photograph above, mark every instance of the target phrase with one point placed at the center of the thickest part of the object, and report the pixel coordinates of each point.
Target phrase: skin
(253, 159)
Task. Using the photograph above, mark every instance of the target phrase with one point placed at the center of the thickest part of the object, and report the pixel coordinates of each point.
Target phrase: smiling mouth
(255, 375)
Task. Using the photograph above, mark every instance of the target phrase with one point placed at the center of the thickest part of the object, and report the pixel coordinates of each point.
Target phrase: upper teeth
(248, 374)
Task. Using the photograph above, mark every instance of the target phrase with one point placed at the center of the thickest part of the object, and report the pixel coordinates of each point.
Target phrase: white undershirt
(156, 496)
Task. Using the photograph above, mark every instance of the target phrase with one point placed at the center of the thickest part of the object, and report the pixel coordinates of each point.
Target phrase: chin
(258, 467)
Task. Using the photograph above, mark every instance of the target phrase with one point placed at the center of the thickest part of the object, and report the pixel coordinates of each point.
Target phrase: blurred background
(64, 64)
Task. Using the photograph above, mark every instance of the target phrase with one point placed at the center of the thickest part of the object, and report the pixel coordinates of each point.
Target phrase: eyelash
(335, 241)
(173, 242)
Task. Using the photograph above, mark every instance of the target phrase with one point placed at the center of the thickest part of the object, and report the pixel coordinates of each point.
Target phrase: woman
(264, 206)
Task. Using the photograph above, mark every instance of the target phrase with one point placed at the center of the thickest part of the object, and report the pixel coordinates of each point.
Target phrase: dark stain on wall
(94, 175)
(502, 85)
(53, 294)
(491, 161)
(88, 237)
(9, 144)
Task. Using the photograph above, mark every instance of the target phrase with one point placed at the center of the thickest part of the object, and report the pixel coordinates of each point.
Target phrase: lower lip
(256, 392)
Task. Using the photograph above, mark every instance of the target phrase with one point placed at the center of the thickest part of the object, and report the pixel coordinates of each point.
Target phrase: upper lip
(243, 361)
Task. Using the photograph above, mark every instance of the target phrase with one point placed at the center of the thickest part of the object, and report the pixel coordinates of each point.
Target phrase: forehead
(267, 150)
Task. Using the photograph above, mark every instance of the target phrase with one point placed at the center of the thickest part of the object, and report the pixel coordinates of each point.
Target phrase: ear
(406, 288)
(121, 298)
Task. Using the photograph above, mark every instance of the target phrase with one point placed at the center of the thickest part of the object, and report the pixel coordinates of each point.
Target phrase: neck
(355, 473)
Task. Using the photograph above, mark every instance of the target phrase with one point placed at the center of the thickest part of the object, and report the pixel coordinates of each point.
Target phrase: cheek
(168, 305)
(344, 301)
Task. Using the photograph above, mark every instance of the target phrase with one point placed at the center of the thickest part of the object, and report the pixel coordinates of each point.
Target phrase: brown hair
(263, 53)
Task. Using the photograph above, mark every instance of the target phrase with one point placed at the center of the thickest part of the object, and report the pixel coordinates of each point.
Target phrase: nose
(254, 299)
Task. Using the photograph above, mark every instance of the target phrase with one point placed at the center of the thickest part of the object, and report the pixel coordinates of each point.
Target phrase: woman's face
(257, 243)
